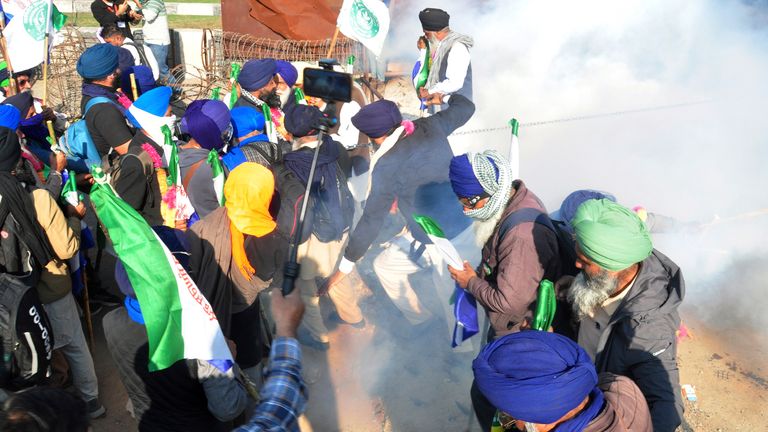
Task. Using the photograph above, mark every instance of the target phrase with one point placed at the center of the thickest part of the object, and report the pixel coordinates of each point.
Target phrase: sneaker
(307, 340)
(96, 409)
(334, 317)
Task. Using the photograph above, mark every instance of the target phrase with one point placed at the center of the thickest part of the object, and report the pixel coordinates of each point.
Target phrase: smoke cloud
(539, 61)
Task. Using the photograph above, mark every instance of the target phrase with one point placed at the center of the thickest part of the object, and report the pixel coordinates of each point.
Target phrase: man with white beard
(626, 298)
(514, 261)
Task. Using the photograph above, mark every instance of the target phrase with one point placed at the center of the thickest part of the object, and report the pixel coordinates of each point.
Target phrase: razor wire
(579, 118)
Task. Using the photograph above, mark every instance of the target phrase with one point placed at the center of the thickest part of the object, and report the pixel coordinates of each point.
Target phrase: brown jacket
(625, 407)
(64, 235)
(513, 266)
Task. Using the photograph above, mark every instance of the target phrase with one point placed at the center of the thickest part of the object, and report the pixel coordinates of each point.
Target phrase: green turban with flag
(610, 234)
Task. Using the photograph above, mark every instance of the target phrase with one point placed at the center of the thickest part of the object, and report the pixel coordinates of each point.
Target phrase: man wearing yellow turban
(626, 299)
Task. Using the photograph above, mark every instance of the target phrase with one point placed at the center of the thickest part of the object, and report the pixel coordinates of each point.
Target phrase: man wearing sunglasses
(24, 80)
(520, 248)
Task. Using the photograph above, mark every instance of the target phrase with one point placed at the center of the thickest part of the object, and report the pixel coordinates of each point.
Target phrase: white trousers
(394, 268)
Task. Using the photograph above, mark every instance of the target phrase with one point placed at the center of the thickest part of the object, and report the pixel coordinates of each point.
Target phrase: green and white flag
(514, 150)
(69, 190)
(179, 320)
(366, 21)
(218, 175)
(25, 34)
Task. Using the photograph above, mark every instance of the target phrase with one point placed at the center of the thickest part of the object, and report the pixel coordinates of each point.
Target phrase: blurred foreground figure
(543, 381)
(283, 395)
(45, 409)
(626, 299)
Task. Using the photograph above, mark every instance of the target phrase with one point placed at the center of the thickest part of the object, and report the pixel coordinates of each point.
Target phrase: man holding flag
(450, 68)
(520, 248)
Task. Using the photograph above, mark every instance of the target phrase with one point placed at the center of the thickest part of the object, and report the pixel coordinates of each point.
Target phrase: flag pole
(333, 42)
(134, 89)
(514, 150)
(12, 88)
(47, 51)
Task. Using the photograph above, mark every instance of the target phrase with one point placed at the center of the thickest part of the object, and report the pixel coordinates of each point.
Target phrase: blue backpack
(78, 144)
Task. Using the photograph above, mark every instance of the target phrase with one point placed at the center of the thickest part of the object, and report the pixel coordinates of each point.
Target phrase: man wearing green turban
(626, 299)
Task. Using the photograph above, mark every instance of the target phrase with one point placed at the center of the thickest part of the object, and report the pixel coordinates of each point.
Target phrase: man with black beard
(626, 299)
(104, 116)
(514, 261)
(258, 89)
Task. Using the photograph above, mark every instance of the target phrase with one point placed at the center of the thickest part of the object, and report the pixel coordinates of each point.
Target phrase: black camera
(327, 84)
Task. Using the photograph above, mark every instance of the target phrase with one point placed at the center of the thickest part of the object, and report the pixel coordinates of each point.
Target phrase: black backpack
(322, 218)
(26, 337)
(286, 204)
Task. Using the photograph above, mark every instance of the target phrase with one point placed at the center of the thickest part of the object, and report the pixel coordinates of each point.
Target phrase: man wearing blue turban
(410, 166)
(543, 381)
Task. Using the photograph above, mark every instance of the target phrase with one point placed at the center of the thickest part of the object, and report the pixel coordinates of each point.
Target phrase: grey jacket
(640, 340)
(200, 191)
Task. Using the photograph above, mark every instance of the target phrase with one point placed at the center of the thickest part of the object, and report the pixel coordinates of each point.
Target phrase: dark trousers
(484, 411)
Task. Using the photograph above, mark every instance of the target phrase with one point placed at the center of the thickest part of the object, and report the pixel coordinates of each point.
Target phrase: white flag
(366, 21)
(26, 31)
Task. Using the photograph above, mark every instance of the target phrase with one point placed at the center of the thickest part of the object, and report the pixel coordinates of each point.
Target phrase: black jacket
(640, 340)
(415, 171)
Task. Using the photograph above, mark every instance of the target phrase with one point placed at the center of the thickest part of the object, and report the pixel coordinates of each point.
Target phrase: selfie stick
(292, 267)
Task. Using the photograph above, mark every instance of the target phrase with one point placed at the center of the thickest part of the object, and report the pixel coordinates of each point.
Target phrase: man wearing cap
(410, 166)
(258, 90)
(541, 381)
(105, 119)
(23, 80)
(626, 299)
(320, 254)
(451, 70)
(251, 144)
(208, 124)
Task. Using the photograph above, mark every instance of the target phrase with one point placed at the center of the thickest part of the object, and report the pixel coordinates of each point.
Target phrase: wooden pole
(45, 71)
(87, 310)
(134, 90)
(12, 88)
(333, 42)
(52, 134)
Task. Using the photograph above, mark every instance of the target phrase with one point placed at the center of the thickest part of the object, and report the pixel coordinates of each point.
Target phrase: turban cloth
(144, 80)
(206, 121)
(287, 71)
(463, 180)
(98, 61)
(246, 120)
(535, 376)
(491, 172)
(125, 59)
(302, 120)
(22, 101)
(9, 117)
(434, 19)
(378, 118)
(154, 102)
(256, 74)
(248, 192)
(572, 202)
(610, 234)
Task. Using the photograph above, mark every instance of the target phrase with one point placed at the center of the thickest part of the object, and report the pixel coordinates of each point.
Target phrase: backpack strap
(95, 101)
(524, 215)
(191, 173)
